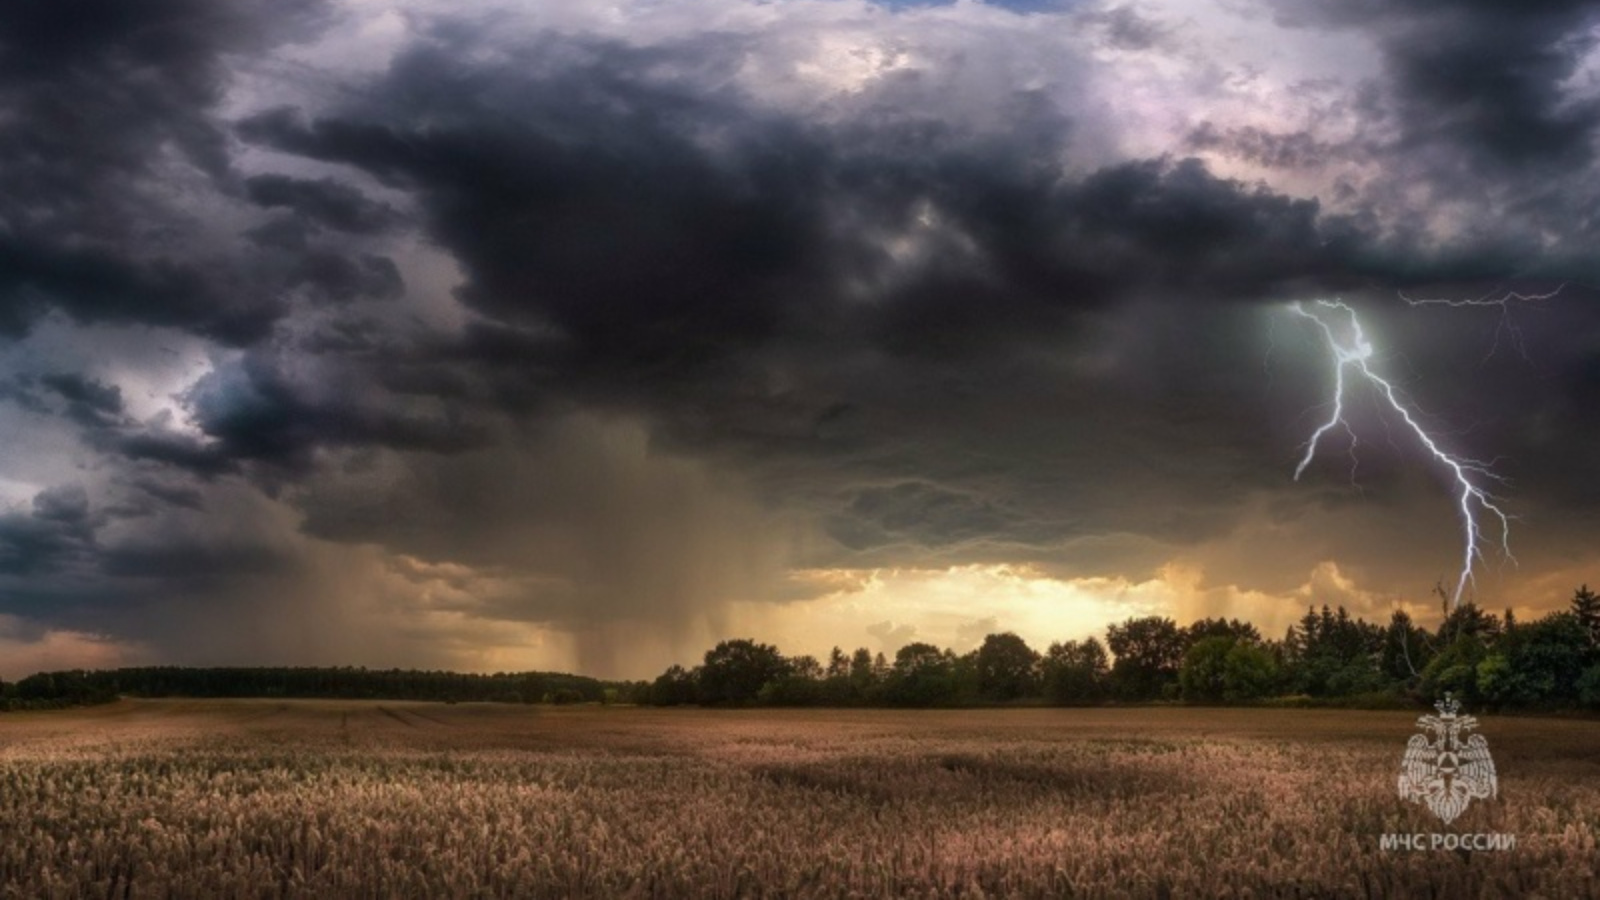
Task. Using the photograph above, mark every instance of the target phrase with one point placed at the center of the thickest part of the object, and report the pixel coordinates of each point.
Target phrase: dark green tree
(863, 675)
(1148, 652)
(1229, 628)
(1228, 669)
(803, 684)
(1005, 667)
(1330, 654)
(1586, 607)
(1467, 620)
(1201, 675)
(1538, 664)
(1406, 650)
(838, 664)
(735, 671)
(1249, 672)
(1076, 672)
(923, 675)
(1455, 670)
(1589, 687)
(806, 666)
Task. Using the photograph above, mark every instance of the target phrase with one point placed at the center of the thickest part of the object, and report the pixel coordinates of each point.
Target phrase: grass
(352, 799)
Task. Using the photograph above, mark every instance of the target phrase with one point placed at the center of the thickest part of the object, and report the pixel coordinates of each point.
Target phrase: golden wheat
(326, 799)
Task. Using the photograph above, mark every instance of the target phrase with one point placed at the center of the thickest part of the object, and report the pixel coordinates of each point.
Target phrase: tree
(1467, 620)
(1455, 670)
(920, 657)
(1586, 607)
(735, 671)
(1149, 651)
(806, 667)
(1331, 654)
(1536, 664)
(1249, 672)
(863, 677)
(838, 663)
(1406, 649)
(1230, 628)
(1005, 667)
(1075, 672)
(1201, 675)
(1227, 669)
(800, 685)
(1589, 687)
(964, 669)
(923, 675)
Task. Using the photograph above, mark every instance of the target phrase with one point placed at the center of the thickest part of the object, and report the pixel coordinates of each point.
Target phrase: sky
(579, 335)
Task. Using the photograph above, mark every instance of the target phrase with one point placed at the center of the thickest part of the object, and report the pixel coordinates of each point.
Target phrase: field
(347, 799)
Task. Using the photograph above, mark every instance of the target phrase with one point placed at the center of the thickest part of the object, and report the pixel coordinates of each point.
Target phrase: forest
(1328, 658)
(47, 690)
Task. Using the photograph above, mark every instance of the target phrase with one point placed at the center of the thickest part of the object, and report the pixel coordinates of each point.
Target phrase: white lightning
(1507, 327)
(1353, 354)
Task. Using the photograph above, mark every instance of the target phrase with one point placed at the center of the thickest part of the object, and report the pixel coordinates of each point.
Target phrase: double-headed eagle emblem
(1445, 768)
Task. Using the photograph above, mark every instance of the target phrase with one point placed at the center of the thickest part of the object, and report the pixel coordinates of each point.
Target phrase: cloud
(892, 637)
(324, 202)
(57, 535)
(91, 225)
(969, 635)
(1484, 78)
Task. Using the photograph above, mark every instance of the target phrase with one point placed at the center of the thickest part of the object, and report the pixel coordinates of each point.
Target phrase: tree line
(48, 690)
(1327, 657)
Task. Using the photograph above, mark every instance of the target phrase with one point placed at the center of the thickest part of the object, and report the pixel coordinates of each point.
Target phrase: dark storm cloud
(336, 278)
(59, 533)
(1471, 149)
(323, 201)
(101, 101)
(864, 318)
(251, 413)
(38, 273)
(662, 233)
(256, 413)
(90, 403)
(101, 398)
(181, 451)
(797, 296)
(1484, 80)
(178, 495)
(641, 248)
(920, 513)
(189, 560)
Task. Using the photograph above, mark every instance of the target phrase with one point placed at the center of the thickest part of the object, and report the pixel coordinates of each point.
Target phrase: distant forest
(47, 690)
(1327, 658)
(1489, 662)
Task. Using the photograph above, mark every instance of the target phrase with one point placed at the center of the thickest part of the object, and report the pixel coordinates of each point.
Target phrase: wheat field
(379, 799)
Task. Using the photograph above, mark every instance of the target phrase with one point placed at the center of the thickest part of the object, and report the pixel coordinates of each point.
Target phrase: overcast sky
(580, 334)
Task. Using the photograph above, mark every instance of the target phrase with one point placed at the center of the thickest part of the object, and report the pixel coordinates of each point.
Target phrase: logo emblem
(1443, 766)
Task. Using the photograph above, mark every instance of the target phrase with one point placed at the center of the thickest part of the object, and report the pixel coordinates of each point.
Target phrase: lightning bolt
(1507, 327)
(1352, 355)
